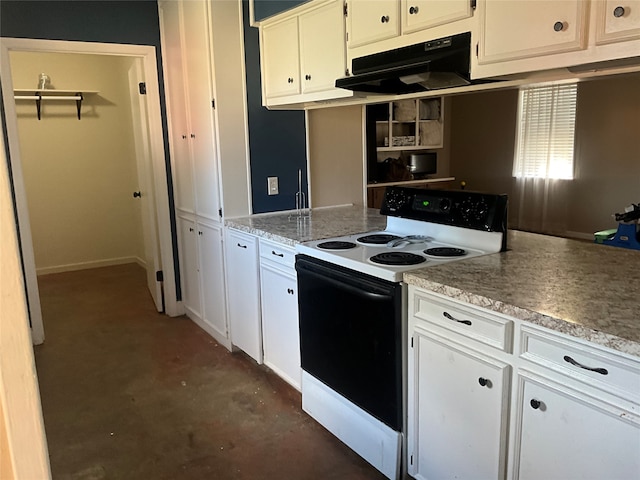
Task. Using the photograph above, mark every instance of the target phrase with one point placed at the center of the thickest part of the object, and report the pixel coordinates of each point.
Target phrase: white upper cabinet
(372, 20)
(303, 52)
(322, 55)
(617, 21)
(421, 14)
(177, 107)
(531, 36)
(281, 61)
(517, 29)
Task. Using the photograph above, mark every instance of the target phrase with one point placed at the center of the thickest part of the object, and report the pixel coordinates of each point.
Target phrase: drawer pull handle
(535, 404)
(484, 382)
(242, 246)
(277, 254)
(601, 371)
(450, 317)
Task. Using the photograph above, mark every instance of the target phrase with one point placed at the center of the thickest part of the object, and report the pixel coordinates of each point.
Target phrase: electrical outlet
(272, 186)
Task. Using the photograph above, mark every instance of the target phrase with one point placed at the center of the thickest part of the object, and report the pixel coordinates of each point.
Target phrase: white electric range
(352, 310)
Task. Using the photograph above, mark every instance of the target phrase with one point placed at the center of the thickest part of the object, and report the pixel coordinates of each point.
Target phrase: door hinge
(142, 87)
(346, 9)
(474, 4)
(213, 104)
(220, 212)
(159, 276)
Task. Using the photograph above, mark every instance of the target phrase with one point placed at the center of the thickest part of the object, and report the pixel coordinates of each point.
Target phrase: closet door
(199, 103)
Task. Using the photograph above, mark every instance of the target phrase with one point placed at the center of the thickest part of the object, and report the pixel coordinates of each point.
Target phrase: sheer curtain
(544, 158)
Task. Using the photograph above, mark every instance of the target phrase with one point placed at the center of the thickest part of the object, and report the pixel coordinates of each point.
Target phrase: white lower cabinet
(279, 297)
(189, 266)
(243, 292)
(563, 433)
(202, 273)
(572, 410)
(459, 405)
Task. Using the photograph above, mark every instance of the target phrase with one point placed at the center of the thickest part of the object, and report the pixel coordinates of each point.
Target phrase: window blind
(547, 117)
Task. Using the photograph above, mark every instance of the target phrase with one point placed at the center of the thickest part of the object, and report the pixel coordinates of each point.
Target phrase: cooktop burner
(445, 252)
(397, 258)
(336, 245)
(377, 239)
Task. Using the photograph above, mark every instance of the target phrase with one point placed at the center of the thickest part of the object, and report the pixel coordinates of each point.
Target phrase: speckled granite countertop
(288, 228)
(582, 289)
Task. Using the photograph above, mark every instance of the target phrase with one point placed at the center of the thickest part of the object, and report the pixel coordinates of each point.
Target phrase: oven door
(351, 334)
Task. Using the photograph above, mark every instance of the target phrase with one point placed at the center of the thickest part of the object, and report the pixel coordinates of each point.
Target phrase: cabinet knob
(137, 194)
(193, 135)
(184, 137)
(484, 382)
(384, 19)
(242, 246)
(558, 26)
(413, 10)
(290, 291)
(199, 232)
(618, 12)
(289, 80)
(535, 404)
(307, 77)
(190, 229)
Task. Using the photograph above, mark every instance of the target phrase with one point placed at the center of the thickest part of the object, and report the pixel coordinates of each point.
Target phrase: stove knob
(445, 205)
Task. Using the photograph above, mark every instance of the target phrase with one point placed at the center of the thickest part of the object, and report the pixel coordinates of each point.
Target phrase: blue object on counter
(626, 237)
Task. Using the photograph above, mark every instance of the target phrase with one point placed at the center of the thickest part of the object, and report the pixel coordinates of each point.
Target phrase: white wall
(79, 174)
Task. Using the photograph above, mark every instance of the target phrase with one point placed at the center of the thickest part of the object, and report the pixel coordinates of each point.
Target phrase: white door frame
(158, 161)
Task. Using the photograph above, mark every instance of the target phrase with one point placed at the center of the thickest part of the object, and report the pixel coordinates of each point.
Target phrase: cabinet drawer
(278, 253)
(587, 363)
(478, 324)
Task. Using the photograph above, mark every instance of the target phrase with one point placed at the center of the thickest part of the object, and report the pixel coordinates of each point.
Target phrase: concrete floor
(128, 393)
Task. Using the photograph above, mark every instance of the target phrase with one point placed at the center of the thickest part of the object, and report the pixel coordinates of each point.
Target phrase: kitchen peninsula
(574, 287)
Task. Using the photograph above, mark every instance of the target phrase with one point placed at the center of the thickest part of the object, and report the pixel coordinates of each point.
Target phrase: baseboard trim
(93, 264)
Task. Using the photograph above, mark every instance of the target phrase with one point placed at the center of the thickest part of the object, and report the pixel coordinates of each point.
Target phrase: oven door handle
(353, 283)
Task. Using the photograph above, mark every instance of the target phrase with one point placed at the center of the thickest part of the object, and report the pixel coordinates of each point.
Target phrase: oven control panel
(479, 211)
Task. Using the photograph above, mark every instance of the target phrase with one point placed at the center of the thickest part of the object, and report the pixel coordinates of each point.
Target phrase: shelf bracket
(79, 103)
(39, 105)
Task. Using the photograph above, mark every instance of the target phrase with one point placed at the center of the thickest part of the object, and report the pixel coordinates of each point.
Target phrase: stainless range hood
(432, 65)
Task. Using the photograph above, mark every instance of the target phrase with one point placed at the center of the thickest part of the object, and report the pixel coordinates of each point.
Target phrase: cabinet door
(189, 270)
(280, 328)
(199, 96)
(519, 29)
(562, 433)
(243, 287)
(370, 21)
(214, 311)
(457, 411)
(422, 14)
(617, 21)
(322, 56)
(170, 22)
(281, 67)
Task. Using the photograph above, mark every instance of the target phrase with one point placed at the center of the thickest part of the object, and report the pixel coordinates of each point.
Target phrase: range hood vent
(432, 65)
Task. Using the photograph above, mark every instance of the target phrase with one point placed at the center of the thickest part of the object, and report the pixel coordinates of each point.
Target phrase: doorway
(155, 237)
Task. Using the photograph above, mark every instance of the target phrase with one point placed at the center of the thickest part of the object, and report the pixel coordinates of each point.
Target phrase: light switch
(272, 186)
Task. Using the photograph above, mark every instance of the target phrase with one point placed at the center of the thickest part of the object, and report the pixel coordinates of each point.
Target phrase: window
(547, 117)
